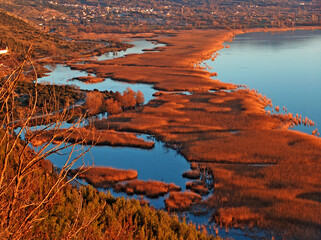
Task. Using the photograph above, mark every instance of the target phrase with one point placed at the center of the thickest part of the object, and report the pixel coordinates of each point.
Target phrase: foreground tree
(38, 202)
(28, 185)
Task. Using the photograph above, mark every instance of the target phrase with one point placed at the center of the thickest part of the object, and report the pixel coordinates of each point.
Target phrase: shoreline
(215, 48)
(295, 116)
(86, 136)
(231, 126)
(221, 128)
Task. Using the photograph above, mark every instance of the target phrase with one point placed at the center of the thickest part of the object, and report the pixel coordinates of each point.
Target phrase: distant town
(131, 16)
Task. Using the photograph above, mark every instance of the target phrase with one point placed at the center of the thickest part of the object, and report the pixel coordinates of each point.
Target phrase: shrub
(94, 102)
(113, 106)
(139, 98)
(128, 99)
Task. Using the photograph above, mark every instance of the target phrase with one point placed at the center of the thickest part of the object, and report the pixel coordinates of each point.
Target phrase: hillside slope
(18, 35)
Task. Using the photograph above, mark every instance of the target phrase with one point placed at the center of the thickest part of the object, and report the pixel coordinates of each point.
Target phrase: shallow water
(62, 74)
(160, 163)
(139, 46)
(284, 66)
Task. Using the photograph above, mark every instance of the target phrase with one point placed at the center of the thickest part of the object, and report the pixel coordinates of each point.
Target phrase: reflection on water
(284, 66)
(138, 48)
(61, 74)
(160, 163)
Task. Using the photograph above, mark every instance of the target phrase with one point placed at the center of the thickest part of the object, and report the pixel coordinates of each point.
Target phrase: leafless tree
(20, 210)
(94, 102)
(139, 98)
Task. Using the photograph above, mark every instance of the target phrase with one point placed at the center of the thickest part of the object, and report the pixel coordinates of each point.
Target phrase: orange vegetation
(193, 174)
(94, 102)
(203, 124)
(180, 201)
(103, 176)
(90, 79)
(93, 136)
(230, 132)
(231, 129)
(151, 189)
(283, 196)
(170, 69)
(198, 187)
(236, 216)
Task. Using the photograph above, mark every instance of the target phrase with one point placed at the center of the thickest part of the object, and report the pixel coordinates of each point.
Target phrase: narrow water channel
(160, 163)
(62, 74)
(140, 46)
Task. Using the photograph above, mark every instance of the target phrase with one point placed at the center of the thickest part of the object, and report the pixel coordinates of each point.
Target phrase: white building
(4, 51)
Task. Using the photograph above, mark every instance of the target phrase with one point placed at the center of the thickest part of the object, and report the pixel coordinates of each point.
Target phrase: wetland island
(160, 120)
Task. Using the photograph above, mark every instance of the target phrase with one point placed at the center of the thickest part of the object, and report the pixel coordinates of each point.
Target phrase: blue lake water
(159, 163)
(284, 66)
(140, 45)
(62, 74)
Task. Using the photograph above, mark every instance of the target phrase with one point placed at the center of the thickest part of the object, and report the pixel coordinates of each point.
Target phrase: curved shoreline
(176, 61)
(262, 61)
(202, 127)
(92, 137)
(220, 128)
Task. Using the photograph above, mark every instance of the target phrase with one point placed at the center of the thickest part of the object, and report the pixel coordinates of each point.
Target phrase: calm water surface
(139, 46)
(284, 66)
(159, 163)
(61, 74)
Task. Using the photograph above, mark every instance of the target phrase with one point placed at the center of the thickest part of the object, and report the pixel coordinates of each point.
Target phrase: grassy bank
(92, 137)
(260, 169)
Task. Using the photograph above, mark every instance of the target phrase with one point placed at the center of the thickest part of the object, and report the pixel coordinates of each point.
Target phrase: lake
(140, 45)
(284, 66)
(62, 74)
(160, 163)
